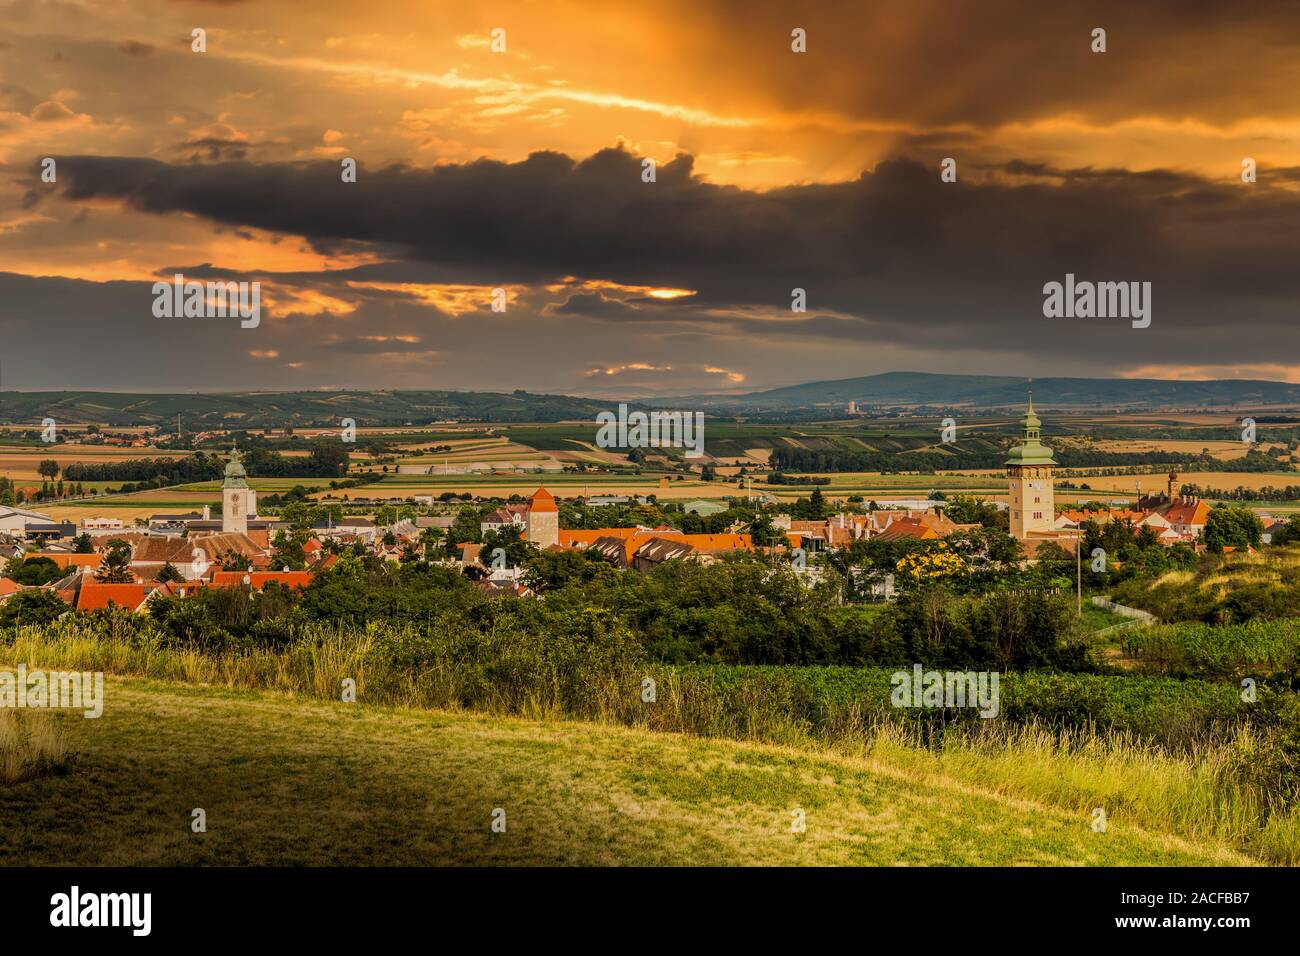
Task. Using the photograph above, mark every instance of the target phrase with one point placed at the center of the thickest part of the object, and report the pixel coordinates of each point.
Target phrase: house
(55, 531)
(909, 504)
(173, 523)
(216, 547)
(1187, 516)
(435, 521)
(260, 530)
(349, 526)
(875, 586)
(658, 550)
(14, 521)
(10, 548)
(257, 580)
(100, 524)
(470, 562)
(94, 596)
(70, 561)
(908, 528)
(504, 588)
(698, 547)
(1073, 520)
(513, 516)
(194, 557)
(153, 554)
(1272, 528)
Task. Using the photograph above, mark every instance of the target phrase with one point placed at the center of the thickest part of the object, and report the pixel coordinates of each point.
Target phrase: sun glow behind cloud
(415, 83)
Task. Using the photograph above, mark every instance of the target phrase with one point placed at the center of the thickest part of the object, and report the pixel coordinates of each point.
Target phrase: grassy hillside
(297, 781)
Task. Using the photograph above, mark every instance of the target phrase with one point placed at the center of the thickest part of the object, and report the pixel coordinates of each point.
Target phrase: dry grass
(1190, 798)
(293, 781)
(31, 744)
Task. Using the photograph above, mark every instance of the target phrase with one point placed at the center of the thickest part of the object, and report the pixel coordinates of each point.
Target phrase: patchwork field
(548, 447)
(299, 782)
(561, 483)
(19, 462)
(487, 453)
(1226, 480)
(129, 507)
(1217, 449)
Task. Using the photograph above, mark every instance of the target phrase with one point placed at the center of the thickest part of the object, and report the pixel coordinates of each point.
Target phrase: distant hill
(387, 407)
(316, 408)
(922, 388)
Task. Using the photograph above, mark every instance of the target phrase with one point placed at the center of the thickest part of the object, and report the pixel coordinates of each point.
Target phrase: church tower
(1029, 473)
(543, 525)
(238, 501)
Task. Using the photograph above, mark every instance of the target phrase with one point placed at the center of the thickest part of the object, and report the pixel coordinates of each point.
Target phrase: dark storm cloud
(213, 148)
(918, 261)
(934, 62)
(632, 309)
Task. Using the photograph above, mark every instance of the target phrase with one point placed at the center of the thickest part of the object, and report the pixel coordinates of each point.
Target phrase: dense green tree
(289, 551)
(1232, 527)
(31, 608)
(552, 570)
(115, 567)
(33, 572)
(168, 573)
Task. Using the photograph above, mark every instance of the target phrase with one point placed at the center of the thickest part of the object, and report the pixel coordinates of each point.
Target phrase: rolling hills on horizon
(258, 409)
(927, 388)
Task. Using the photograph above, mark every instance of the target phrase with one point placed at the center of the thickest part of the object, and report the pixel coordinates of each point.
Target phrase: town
(99, 563)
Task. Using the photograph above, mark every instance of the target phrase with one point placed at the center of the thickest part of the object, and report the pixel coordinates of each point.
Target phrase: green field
(260, 485)
(287, 780)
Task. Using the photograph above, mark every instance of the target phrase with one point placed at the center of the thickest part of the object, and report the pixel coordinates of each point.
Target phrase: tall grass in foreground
(1227, 781)
(30, 745)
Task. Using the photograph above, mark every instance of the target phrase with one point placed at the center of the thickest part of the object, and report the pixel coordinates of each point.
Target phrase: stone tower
(238, 501)
(1029, 473)
(543, 529)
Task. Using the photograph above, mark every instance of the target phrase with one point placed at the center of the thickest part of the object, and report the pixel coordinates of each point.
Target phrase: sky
(519, 164)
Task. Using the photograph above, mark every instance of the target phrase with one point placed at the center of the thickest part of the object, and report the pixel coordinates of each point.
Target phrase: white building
(15, 520)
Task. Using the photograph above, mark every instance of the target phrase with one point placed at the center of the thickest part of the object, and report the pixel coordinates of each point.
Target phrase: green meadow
(286, 780)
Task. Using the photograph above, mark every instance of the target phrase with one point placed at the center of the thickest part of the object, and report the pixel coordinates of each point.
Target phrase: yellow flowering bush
(924, 566)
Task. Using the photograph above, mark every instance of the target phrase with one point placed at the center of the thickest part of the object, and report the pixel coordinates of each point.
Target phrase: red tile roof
(94, 596)
(65, 560)
(907, 528)
(542, 500)
(1186, 512)
(260, 579)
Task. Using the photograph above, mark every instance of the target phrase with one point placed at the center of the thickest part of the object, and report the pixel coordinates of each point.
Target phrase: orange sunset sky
(522, 170)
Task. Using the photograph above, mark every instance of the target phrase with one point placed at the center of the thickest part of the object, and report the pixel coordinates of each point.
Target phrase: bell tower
(1030, 467)
(238, 501)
